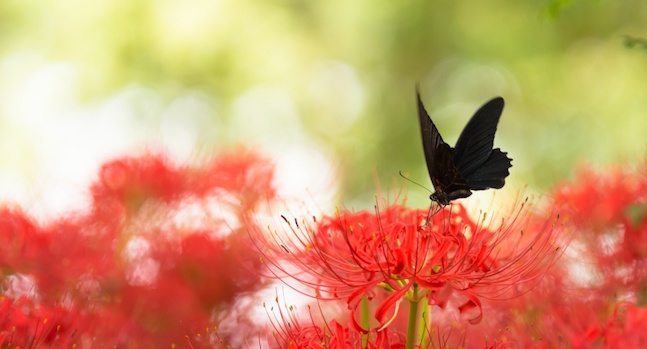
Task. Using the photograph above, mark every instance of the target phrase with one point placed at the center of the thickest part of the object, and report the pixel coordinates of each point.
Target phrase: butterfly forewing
(431, 140)
(475, 143)
(445, 177)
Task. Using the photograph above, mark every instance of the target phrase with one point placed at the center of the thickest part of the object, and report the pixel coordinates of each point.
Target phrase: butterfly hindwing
(475, 143)
(492, 173)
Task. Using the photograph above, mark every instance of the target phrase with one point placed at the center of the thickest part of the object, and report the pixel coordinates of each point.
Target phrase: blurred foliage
(574, 86)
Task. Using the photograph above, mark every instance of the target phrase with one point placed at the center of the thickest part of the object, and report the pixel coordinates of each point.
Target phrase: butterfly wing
(449, 183)
(480, 165)
(474, 146)
(492, 173)
(432, 143)
(445, 177)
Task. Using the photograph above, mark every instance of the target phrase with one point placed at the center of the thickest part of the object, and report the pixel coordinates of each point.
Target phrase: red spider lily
(334, 335)
(26, 324)
(600, 199)
(147, 257)
(610, 211)
(626, 328)
(604, 267)
(352, 255)
(290, 332)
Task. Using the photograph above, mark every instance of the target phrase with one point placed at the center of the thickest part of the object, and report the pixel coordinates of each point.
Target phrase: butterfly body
(473, 164)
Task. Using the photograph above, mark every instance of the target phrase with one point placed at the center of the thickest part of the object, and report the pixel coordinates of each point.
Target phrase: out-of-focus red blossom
(133, 181)
(606, 213)
(352, 255)
(610, 210)
(601, 198)
(160, 253)
(627, 328)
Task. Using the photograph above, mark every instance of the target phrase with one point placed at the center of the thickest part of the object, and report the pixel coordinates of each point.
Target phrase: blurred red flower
(591, 297)
(609, 208)
(160, 253)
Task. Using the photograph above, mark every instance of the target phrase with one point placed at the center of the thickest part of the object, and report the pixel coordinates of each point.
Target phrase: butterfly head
(444, 198)
(440, 197)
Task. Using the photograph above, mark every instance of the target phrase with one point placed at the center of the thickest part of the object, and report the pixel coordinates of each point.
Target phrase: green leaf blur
(575, 88)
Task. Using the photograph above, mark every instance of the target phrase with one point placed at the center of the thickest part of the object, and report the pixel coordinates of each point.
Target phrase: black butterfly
(472, 164)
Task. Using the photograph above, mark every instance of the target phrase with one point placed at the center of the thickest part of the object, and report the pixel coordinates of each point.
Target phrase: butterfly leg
(449, 219)
(429, 214)
(433, 210)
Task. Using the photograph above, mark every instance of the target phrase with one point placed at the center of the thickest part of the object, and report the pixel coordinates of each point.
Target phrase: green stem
(364, 320)
(422, 329)
(413, 318)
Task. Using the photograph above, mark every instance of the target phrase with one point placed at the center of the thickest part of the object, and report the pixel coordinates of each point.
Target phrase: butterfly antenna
(416, 183)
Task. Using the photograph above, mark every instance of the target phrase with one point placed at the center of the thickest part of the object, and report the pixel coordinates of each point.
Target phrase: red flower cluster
(163, 253)
(399, 254)
(160, 254)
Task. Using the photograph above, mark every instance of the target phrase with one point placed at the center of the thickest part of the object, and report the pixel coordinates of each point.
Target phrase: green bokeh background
(575, 87)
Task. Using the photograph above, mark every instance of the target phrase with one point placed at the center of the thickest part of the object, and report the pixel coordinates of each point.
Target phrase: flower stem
(413, 318)
(424, 315)
(365, 320)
